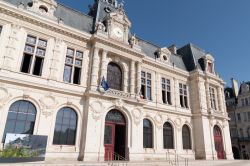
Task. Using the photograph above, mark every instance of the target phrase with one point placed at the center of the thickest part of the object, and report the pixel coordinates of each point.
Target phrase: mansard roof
(188, 57)
(69, 16)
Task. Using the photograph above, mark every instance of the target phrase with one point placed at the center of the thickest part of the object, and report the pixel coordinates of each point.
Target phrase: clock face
(118, 32)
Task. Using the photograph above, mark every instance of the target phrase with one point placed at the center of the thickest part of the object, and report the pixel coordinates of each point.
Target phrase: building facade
(97, 90)
(238, 106)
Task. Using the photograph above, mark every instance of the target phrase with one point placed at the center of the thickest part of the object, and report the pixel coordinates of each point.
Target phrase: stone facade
(108, 41)
(238, 106)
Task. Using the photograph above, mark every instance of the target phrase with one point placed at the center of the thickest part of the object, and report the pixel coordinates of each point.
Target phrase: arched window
(114, 76)
(65, 128)
(168, 136)
(248, 131)
(21, 118)
(147, 134)
(186, 139)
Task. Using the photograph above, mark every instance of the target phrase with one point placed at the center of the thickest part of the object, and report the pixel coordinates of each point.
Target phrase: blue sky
(220, 27)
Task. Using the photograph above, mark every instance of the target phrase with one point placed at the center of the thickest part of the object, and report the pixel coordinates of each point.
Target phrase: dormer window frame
(209, 64)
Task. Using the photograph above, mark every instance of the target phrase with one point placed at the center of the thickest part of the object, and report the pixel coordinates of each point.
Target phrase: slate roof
(192, 56)
(70, 17)
(150, 49)
(189, 57)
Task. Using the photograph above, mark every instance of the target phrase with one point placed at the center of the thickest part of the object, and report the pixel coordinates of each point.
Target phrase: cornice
(48, 24)
(164, 67)
(117, 45)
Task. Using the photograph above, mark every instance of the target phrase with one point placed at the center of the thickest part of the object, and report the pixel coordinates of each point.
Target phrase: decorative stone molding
(48, 101)
(45, 8)
(117, 93)
(4, 96)
(163, 54)
(178, 123)
(137, 115)
(119, 103)
(96, 108)
(159, 120)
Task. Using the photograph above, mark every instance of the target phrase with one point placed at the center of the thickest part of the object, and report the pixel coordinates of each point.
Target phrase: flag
(104, 84)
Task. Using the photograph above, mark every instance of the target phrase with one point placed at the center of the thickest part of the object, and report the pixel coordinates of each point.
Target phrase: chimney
(173, 49)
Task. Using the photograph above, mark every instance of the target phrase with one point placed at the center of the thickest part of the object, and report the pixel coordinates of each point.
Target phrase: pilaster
(132, 77)
(95, 68)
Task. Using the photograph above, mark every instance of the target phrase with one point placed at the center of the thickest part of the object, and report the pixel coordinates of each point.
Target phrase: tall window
(248, 132)
(73, 66)
(242, 102)
(248, 115)
(33, 56)
(246, 101)
(166, 91)
(21, 118)
(168, 136)
(183, 95)
(114, 76)
(212, 98)
(1, 29)
(238, 117)
(65, 128)
(146, 85)
(186, 138)
(147, 134)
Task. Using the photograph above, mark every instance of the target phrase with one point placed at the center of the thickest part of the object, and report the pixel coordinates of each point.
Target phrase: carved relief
(178, 123)
(96, 108)
(137, 115)
(48, 102)
(4, 96)
(158, 120)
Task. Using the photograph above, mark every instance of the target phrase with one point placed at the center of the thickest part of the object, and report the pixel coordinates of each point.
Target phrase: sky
(220, 27)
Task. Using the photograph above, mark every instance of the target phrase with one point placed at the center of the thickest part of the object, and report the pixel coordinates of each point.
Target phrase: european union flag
(104, 84)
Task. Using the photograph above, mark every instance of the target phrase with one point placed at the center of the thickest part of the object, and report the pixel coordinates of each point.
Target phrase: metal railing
(115, 159)
(176, 159)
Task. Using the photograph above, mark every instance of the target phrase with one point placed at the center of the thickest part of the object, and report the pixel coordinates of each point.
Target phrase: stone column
(219, 99)
(138, 86)
(132, 77)
(95, 67)
(208, 97)
(158, 88)
(104, 65)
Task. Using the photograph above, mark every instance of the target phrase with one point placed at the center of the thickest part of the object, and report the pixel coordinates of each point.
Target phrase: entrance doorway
(115, 136)
(218, 142)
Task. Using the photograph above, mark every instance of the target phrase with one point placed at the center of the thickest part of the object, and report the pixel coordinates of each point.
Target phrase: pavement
(134, 163)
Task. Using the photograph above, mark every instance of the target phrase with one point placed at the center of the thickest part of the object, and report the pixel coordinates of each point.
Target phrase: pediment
(120, 16)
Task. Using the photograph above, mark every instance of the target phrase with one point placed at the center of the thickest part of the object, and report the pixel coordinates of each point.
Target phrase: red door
(109, 141)
(218, 143)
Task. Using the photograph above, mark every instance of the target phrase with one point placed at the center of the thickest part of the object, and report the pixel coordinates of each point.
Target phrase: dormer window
(43, 9)
(210, 67)
(163, 54)
(209, 63)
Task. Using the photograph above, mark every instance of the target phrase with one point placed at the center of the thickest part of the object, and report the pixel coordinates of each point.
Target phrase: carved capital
(96, 108)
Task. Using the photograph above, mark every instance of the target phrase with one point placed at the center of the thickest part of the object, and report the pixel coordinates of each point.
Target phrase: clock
(118, 32)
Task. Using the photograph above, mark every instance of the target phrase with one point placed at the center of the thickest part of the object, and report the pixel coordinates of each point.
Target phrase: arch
(115, 134)
(21, 118)
(186, 137)
(168, 136)
(147, 133)
(114, 76)
(66, 127)
(218, 142)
